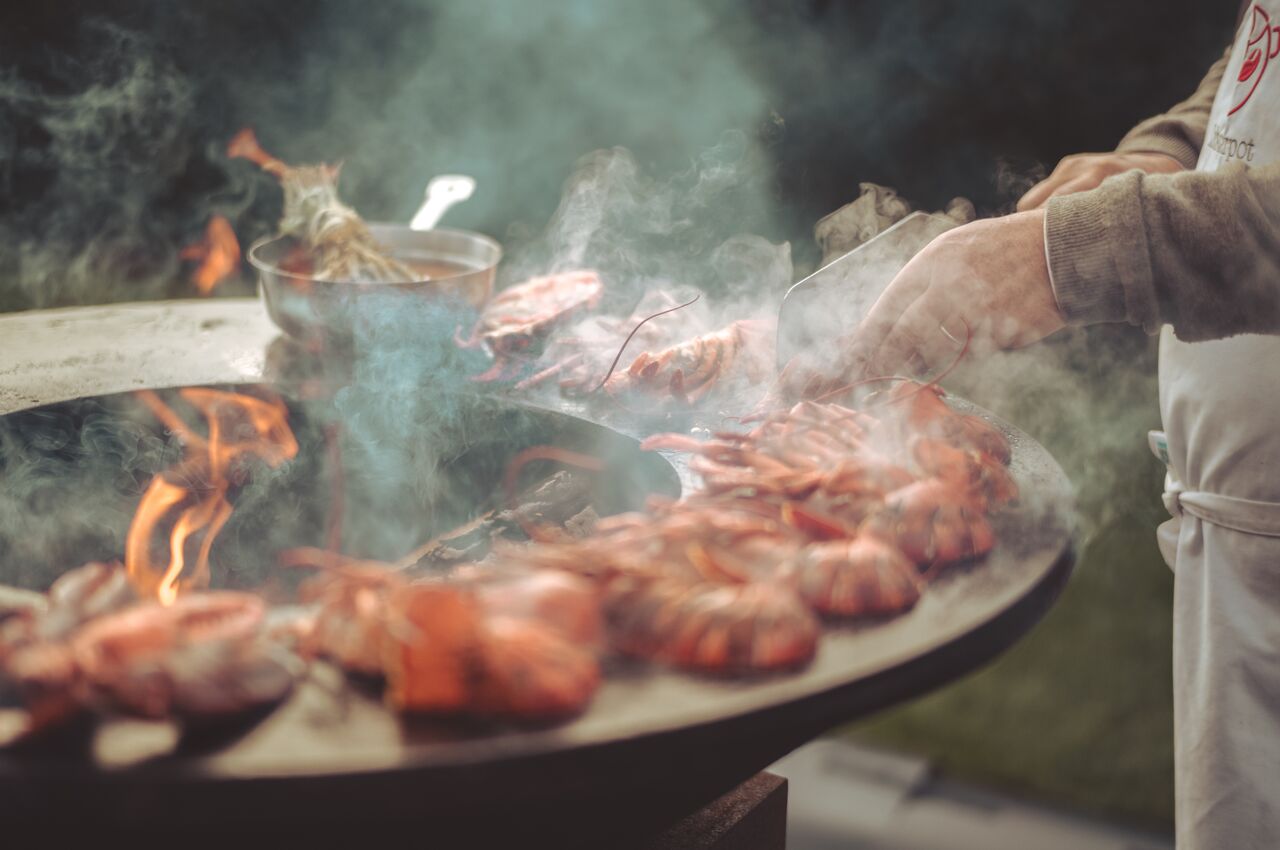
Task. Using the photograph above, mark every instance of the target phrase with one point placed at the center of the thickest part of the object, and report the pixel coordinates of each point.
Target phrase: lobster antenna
(625, 342)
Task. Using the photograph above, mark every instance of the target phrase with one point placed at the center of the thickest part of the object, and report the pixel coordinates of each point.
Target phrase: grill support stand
(752, 816)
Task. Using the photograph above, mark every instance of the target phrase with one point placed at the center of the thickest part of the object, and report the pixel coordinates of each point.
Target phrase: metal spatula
(829, 303)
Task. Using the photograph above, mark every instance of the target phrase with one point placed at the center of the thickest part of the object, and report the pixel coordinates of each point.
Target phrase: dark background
(113, 114)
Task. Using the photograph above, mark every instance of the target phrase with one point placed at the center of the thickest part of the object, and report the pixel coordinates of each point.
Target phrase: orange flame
(218, 255)
(194, 491)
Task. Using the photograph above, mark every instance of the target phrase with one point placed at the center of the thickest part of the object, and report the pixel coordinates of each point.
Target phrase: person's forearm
(1180, 132)
(1198, 251)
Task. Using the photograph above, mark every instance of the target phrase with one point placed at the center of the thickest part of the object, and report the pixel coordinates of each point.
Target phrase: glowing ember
(218, 255)
(192, 494)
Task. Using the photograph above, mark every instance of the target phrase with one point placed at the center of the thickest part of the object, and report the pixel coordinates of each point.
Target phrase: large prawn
(98, 648)
(515, 646)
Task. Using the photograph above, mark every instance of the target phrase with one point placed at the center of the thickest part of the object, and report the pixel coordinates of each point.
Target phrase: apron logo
(1262, 47)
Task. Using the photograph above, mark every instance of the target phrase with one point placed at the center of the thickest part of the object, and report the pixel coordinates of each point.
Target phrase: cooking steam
(689, 208)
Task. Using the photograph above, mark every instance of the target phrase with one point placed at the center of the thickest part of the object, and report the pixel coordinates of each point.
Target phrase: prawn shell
(431, 647)
(863, 577)
(560, 601)
(711, 628)
(531, 671)
(933, 523)
(149, 629)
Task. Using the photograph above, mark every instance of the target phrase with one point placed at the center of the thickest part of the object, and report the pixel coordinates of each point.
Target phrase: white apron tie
(1247, 516)
(1243, 515)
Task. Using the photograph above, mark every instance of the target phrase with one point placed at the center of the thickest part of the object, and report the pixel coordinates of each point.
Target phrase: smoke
(110, 132)
(1013, 182)
(676, 143)
(640, 231)
(71, 476)
(112, 119)
(1088, 394)
(110, 160)
(99, 153)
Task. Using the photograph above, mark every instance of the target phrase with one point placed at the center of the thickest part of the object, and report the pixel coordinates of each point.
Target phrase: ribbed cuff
(1167, 134)
(1096, 248)
(1174, 146)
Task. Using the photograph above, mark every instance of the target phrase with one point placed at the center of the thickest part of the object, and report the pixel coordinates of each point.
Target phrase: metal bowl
(325, 313)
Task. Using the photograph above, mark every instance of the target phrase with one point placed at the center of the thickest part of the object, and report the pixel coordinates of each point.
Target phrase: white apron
(1220, 404)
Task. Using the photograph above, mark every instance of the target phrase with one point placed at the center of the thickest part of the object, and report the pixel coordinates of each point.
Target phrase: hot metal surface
(55, 355)
(335, 754)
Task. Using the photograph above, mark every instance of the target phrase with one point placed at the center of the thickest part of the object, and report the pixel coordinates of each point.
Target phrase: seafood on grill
(923, 412)
(933, 522)
(685, 586)
(349, 601)
(857, 576)
(840, 450)
(680, 363)
(338, 245)
(518, 316)
(445, 653)
(97, 648)
(906, 480)
(815, 514)
(730, 584)
(517, 646)
(711, 627)
(579, 359)
(818, 511)
(684, 374)
(73, 599)
(521, 316)
(981, 476)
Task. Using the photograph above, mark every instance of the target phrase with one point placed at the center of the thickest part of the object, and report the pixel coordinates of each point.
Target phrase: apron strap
(1244, 515)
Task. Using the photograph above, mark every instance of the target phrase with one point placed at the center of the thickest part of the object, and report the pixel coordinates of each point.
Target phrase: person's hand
(1084, 171)
(987, 281)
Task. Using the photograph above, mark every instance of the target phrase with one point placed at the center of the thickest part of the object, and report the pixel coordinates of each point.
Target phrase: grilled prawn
(933, 522)
(204, 655)
(856, 577)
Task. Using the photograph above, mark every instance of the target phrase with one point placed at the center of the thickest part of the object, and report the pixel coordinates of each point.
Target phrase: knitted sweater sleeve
(1199, 251)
